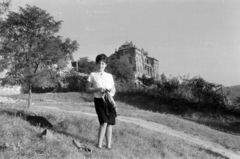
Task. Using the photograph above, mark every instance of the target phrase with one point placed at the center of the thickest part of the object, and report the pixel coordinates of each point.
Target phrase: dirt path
(163, 129)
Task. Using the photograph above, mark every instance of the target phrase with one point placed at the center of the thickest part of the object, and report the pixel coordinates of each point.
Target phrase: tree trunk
(29, 96)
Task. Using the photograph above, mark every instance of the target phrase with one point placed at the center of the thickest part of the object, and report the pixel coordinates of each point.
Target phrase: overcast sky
(196, 37)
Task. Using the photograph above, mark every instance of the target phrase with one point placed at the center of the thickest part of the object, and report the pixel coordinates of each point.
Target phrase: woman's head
(101, 61)
(101, 57)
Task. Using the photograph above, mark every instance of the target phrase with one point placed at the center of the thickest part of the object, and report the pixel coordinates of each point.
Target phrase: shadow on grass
(232, 128)
(57, 128)
(213, 153)
(85, 143)
(8, 112)
(32, 118)
(150, 104)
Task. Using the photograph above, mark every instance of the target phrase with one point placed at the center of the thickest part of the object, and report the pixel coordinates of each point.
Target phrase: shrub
(74, 82)
(123, 86)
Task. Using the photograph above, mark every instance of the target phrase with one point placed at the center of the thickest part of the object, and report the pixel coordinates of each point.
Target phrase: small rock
(46, 134)
(14, 147)
(6, 144)
(77, 144)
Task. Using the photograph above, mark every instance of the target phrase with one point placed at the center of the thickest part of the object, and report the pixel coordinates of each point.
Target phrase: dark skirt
(101, 112)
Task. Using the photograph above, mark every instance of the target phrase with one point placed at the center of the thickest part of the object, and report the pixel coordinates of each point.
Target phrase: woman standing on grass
(98, 83)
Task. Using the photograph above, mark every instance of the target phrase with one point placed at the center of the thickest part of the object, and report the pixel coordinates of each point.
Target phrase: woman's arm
(113, 90)
(89, 88)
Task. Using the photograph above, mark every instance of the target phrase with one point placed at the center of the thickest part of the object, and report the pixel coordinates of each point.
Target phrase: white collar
(100, 73)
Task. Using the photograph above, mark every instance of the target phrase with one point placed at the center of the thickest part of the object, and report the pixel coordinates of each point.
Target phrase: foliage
(4, 6)
(238, 100)
(86, 66)
(124, 86)
(194, 93)
(120, 70)
(146, 81)
(205, 92)
(163, 78)
(166, 87)
(45, 81)
(30, 50)
(73, 82)
(236, 107)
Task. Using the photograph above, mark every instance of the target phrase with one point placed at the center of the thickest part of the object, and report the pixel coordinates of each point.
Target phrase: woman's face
(101, 66)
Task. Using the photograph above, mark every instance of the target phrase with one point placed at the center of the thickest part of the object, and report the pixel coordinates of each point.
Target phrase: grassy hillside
(130, 141)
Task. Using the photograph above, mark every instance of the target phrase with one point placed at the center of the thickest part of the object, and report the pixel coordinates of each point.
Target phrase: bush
(74, 82)
(123, 86)
(195, 93)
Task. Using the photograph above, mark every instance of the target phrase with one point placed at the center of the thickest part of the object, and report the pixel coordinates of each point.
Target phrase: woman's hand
(90, 88)
(102, 90)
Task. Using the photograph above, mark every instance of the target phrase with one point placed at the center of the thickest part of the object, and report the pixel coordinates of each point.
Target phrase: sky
(187, 37)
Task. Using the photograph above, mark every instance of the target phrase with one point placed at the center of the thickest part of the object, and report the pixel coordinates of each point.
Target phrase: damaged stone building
(137, 59)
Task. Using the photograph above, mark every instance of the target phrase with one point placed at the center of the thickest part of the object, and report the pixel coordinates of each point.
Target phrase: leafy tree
(31, 52)
(86, 66)
(163, 78)
(120, 70)
(74, 82)
(146, 81)
(4, 6)
(205, 92)
(166, 87)
(237, 99)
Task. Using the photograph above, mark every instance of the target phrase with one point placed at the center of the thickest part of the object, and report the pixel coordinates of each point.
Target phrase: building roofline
(129, 45)
(152, 58)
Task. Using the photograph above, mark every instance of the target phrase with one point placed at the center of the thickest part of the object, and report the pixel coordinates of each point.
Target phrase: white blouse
(101, 79)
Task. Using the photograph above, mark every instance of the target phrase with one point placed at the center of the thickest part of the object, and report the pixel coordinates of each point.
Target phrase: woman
(98, 83)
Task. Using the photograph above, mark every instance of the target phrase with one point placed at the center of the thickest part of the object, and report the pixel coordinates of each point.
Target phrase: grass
(130, 141)
(24, 141)
(145, 108)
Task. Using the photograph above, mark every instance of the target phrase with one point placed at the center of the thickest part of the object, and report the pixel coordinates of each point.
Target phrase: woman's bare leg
(101, 133)
(109, 136)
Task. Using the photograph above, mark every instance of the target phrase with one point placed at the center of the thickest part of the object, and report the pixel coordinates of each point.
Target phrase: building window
(130, 60)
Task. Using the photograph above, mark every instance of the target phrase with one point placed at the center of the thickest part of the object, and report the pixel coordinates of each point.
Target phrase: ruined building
(137, 59)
